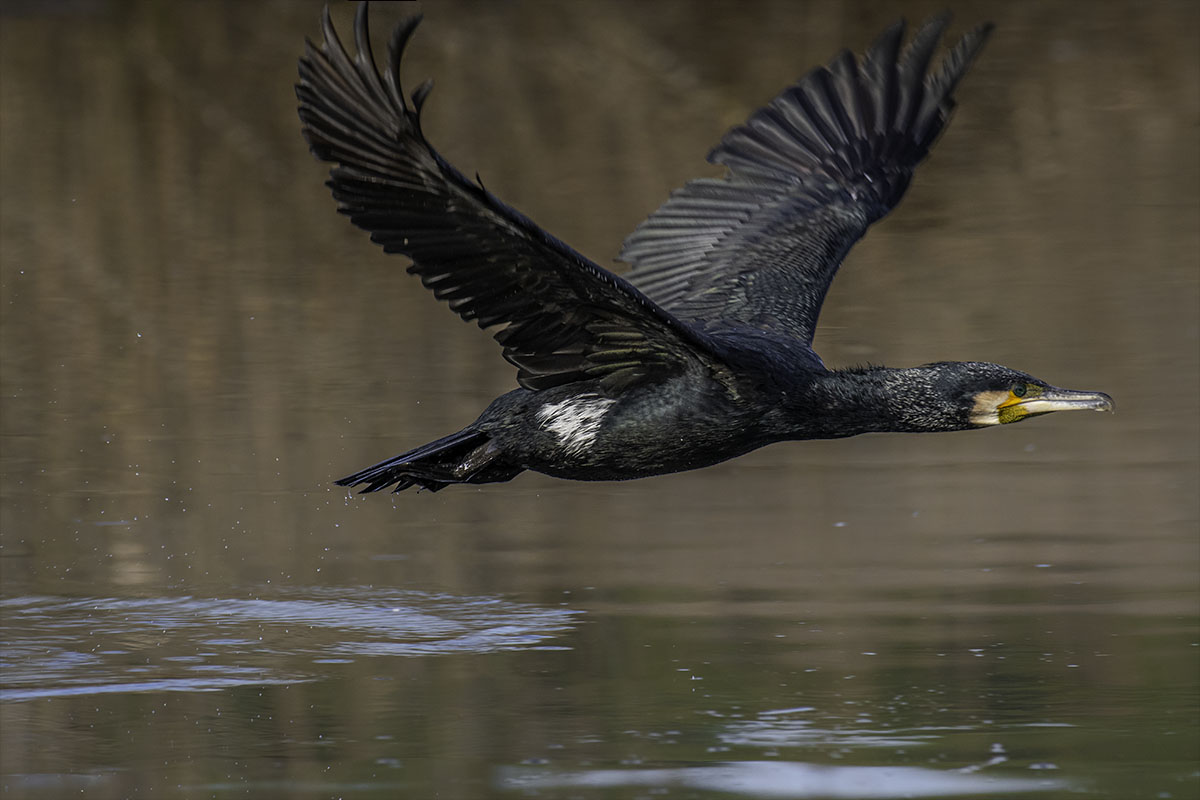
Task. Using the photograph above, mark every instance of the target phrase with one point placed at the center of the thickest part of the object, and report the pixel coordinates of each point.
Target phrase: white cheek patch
(575, 421)
(986, 410)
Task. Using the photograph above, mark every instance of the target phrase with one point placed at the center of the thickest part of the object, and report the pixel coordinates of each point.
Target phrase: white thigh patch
(575, 421)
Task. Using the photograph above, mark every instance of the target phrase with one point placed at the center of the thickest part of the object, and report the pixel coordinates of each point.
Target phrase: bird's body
(704, 353)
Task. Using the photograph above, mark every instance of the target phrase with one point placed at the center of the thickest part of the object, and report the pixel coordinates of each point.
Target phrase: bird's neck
(870, 400)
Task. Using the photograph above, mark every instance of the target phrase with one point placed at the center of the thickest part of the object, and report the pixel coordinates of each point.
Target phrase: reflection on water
(788, 729)
(55, 647)
(783, 779)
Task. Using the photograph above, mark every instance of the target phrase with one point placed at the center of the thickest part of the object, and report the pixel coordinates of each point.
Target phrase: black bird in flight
(703, 352)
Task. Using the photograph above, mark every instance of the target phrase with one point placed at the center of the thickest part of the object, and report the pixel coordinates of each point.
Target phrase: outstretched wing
(807, 174)
(564, 318)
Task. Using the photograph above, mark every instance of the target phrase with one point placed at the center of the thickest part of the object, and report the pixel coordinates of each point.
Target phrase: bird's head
(991, 394)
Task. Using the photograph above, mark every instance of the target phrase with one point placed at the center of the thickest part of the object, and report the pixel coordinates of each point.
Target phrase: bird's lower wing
(807, 174)
(561, 318)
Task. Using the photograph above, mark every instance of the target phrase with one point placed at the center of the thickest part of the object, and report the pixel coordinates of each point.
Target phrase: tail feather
(458, 458)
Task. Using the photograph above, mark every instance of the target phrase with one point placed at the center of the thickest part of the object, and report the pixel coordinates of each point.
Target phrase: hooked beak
(1053, 399)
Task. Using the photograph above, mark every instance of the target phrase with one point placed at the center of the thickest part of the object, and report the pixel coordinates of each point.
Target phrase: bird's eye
(1018, 390)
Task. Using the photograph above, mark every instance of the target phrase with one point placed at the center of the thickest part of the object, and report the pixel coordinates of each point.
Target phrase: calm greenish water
(194, 344)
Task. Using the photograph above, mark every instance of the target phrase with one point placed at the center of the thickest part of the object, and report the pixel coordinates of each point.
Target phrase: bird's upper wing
(806, 175)
(564, 318)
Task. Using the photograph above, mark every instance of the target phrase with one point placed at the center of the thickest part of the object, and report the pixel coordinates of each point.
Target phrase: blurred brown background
(184, 316)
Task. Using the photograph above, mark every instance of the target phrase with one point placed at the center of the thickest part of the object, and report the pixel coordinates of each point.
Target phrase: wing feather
(561, 317)
(807, 174)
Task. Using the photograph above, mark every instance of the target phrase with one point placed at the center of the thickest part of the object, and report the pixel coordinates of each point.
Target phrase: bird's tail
(462, 457)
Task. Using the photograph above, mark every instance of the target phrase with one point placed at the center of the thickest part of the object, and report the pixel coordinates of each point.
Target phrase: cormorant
(703, 352)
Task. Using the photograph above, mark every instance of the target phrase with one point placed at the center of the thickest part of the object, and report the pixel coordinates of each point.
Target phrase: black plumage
(806, 175)
(704, 353)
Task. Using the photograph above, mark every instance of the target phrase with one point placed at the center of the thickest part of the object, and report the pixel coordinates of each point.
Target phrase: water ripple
(59, 646)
